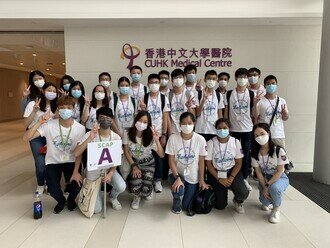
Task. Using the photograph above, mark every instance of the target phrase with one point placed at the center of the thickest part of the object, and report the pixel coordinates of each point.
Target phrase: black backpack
(216, 92)
(289, 166)
(251, 94)
(162, 99)
(115, 101)
(202, 202)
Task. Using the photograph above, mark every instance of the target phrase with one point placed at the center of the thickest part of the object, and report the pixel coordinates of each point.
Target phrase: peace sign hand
(283, 110)
(36, 106)
(43, 119)
(257, 98)
(198, 86)
(63, 92)
(155, 134)
(94, 131)
(26, 91)
(143, 106)
(87, 99)
(189, 103)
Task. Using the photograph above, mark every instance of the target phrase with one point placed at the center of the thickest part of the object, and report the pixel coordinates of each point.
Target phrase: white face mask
(164, 82)
(141, 126)
(253, 79)
(39, 83)
(105, 84)
(50, 95)
(178, 82)
(187, 129)
(154, 88)
(210, 83)
(223, 83)
(99, 95)
(263, 139)
(242, 81)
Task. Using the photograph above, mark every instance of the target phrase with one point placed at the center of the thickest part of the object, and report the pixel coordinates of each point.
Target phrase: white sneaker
(248, 186)
(115, 204)
(40, 190)
(136, 202)
(239, 207)
(266, 208)
(274, 217)
(158, 187)
(149, 197)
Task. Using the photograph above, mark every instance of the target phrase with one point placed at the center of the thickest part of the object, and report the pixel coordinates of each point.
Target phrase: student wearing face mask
(164, 77)
(105, 81)
(239, 112)
(223, 79)
(139, 142)
(269, 162)
(191, 83)
(224, 162)
(210, 107)
(254, 82)
(180, 100)
(186, 153)
(32, 91)
(273, 110)
(33, 111)
(82, 102)
(137, 89)
(62, 136)
(104, 117)
(65, 84)
(123, 106)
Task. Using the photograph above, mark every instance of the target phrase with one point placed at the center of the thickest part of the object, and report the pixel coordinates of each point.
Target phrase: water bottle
(37, 206)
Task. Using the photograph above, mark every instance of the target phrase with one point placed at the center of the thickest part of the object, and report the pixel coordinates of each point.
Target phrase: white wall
(290, 52)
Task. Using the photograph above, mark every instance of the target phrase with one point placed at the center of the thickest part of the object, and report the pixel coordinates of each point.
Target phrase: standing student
(186, 153)
(77, 91)
(33, 111)
(104, 117)
(158, 107)
(123, 106)
(32, 91)
(137, 89)
(180, 100)
(224, 162)
(273, 110)
(164, 77)
(269, 162)
(210, 107)
(223, 79)
(65, 84)
(105, 81)
(139, 142)
(62, 136)
(254, 81)
(191, 84)
(239, 112)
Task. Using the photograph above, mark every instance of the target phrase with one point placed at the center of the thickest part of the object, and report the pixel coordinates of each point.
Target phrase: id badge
(239, 117)
(275, 121)
(222, 174)
(65, 157)
(186, 172)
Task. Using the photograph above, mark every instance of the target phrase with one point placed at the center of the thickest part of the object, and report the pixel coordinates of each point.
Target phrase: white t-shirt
(76, 112)
(124, 113)
(39, 113)
(93, 175)
(178, 106)
(186, 154)
(60, 150)
(268, 164)
(91, 118)
(223, 155)
(209, 115)
(239, 112)
(154, 107)
(137, 92)
(261, 90)
(265, 108)
(137, 150)
(166, 92)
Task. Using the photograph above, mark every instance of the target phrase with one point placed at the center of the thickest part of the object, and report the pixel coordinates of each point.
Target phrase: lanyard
(273, 107)
(209, 103)
(125, 110)
(67, 137)
(154, 105)
(265, 164)
(239, 101)
(187, 154)
(138, 151)
(224, 154)
(101, 138)
(136, 96)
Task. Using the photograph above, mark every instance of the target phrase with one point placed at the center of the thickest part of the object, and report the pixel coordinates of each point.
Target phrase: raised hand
(198, 86)
(94, 131)
(155, 134)
(189, 103)
(87, 99)
(43, 119)
(36, 106)
(26, 91)
(142, 105)
(63, 92)
(257, 98)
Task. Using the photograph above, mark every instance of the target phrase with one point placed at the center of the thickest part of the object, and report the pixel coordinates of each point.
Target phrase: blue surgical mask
(66, 87)
(65, 113)
(222, 133)
(124, 90)
(76, 93)
(136, 77)
(271, 88)
(191, 78)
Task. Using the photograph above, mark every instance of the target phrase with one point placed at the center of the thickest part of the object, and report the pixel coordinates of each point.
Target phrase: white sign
(103, 155)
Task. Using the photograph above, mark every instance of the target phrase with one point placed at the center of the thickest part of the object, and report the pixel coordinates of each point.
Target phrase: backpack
(202, 202)
(162, 99)
(87, 196)
(201, 92)
(251, 94)
(289, 166)
(115, 102)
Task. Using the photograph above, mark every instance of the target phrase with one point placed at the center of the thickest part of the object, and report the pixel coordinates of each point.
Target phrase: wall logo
(130, 52)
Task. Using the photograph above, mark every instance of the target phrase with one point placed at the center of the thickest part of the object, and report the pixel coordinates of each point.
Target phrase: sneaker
(136, 202)
(58, 208)
(40, 189)
(274, 217)
(248, 186)
(71, 204)
(238, 207)
(266, 208)
(115, 204)
(158, 187)
(176, 207)
(149, 197)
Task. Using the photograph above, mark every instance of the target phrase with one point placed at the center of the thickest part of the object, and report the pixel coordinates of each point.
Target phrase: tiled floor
(303, 223)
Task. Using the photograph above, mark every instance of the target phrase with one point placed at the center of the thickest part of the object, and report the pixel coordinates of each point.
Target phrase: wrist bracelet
(232, 176)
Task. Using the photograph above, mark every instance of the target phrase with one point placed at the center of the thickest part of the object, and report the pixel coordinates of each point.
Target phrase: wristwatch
(176, 176)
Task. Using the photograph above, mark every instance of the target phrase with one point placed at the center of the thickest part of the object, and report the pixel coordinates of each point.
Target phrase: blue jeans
(246, 141)
(39, 159)
(275, 191)
(188, 192)
(158, 166)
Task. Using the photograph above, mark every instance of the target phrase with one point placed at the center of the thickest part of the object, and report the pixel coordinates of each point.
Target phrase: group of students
(204, 135)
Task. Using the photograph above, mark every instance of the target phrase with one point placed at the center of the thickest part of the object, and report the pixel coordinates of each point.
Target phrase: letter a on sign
(105, 156)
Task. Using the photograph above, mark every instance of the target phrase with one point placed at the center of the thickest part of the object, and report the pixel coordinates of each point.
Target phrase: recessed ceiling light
(21, 63)
(34, 55)
(63, 63)
(50, 74)
(47, 69)
(29, 47)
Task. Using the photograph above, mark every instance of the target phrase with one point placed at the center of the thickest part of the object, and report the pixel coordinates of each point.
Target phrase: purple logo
(128, 53)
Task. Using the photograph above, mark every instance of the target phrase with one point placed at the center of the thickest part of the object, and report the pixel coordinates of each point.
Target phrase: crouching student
(104, 117)
(186, 153)
(139, 142)
(62, 136)
(224, 162)
(269, 161)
